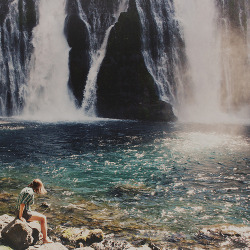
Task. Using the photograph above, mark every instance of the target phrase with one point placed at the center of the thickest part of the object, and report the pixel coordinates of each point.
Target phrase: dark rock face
(78, 39)
(126, 90)
(27, 15)
(4, 7)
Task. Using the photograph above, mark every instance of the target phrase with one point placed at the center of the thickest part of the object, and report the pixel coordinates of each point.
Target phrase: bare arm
(21, 212)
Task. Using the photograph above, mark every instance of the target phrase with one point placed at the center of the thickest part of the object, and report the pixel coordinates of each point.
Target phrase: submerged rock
(120, 190)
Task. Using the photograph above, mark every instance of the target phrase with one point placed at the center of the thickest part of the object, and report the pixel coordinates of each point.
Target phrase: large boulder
(18, 234)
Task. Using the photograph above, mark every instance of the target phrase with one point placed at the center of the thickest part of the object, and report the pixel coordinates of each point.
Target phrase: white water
(47, 94)
(198, 22)
(216, 65)
(247, 4)
(158, 59)
(12, 72)
(99, 31)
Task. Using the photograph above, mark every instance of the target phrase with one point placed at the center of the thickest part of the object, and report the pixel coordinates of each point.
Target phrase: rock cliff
(125, 89)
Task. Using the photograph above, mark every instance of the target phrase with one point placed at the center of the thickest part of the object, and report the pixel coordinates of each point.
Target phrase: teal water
(174, 177)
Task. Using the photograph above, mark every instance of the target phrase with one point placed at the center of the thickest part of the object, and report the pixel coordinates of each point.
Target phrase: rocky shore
(84, 225)
(15, 234)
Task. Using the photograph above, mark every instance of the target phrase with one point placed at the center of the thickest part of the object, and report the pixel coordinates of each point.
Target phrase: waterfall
(158, 39)
(248, 30)
(99, 25)
(200, 32)
(216, 56)
(47, 95)
(234, 32)
(14, 57)
(197, 52)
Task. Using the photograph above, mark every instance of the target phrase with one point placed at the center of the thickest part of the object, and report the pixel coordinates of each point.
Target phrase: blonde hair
(38, 186)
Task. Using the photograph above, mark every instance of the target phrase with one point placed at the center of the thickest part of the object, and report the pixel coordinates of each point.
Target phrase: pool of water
(174, 177)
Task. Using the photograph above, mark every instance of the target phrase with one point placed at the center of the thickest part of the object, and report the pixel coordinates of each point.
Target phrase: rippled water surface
(175, 177)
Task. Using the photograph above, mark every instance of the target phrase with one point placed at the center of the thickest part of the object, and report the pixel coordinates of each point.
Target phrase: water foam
(47, 95)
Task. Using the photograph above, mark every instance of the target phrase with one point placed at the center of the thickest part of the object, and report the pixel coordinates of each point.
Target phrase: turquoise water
(173, 177)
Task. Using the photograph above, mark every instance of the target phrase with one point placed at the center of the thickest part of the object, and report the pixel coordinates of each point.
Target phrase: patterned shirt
(26, 197)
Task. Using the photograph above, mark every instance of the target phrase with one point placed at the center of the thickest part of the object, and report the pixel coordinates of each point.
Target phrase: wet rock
(18, 234)
(45, 205)
(77, 36)
(111, 244)
(5, 197)
(75, 236)
(227, 236)
(153, 246)
(175, 238)
(120, 190)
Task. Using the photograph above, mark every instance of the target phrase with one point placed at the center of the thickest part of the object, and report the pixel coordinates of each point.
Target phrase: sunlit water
(171, 177)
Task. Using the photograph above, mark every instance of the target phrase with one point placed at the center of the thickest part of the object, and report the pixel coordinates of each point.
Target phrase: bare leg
(42, 219)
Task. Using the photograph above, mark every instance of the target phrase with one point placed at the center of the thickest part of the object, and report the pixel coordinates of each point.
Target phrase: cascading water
(200, 32)
(217, 59)
(47, 94)
(158, 38)
(248, 29)
(198, 53)
(248, 34)
(14, 57)
(99, 28)
(235, 57)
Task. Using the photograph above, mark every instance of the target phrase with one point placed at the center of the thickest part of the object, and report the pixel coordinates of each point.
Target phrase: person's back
(26, 196)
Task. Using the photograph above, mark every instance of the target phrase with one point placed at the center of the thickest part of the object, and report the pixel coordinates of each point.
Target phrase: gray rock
(4, 221)
(111, 244)
(50, 246)
(225, 236)
(80, 236)
(18, 234)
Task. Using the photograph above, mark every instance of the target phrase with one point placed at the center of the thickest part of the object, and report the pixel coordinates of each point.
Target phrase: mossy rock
(75, 236)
